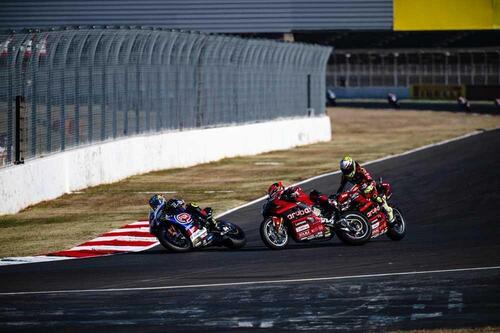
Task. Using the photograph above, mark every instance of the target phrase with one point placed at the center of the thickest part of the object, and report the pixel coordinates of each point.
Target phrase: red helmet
(275, 190)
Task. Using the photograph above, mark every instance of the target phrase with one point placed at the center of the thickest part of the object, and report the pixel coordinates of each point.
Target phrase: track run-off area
(443, 274)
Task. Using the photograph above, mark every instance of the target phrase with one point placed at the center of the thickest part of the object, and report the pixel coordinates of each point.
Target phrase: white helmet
(348, 166)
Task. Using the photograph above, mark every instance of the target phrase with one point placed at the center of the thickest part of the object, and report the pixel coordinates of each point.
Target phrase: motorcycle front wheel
(272, 238)
(354, 228)
(235, 236)
(397, 230)
(173, 239)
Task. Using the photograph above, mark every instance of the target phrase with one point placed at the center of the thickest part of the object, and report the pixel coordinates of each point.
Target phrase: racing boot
(387, 208)
(211, 222)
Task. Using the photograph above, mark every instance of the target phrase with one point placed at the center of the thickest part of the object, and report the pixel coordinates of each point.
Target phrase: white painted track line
(29, 260)
(123, 248)
(140, 223)
(144, 230)
(249, 283)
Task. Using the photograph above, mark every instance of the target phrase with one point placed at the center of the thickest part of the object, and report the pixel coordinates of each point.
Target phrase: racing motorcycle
(181, 231)
(308, 220)
(298, 219)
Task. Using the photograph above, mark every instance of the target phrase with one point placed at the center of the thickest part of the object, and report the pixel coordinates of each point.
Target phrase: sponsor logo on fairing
(198, 236)
(303, 234)
(299, 213)
(183, 218)
(302, 228)
(371, 212)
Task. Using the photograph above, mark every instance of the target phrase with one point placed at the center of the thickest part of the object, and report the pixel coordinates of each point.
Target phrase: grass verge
(364, 134)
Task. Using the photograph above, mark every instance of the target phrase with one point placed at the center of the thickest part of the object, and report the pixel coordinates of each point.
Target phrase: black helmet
(175, 205)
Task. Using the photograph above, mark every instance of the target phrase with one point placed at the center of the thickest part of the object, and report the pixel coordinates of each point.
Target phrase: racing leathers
(368, 189)
(295, 194)
(203, 216)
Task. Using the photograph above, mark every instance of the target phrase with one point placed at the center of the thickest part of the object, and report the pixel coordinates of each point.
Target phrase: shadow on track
(253, 248)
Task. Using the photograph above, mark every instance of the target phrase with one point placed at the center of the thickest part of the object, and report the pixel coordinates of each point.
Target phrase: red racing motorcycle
(319, 218)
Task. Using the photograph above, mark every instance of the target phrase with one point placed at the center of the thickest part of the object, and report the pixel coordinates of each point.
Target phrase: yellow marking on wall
(446, 14)
(437, 91)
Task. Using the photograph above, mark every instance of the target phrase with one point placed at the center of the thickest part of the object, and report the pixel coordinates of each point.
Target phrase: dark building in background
(372, 47)
(218, 16)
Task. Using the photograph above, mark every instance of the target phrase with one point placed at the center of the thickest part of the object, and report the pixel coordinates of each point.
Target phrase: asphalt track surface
(451, 200)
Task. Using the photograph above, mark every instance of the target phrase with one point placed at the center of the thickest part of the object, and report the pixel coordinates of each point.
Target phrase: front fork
(278, 224)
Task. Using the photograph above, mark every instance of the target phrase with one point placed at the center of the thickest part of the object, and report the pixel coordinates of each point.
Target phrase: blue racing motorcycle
(180, 230)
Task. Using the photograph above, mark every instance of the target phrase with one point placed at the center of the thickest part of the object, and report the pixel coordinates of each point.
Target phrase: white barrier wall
(49, 177)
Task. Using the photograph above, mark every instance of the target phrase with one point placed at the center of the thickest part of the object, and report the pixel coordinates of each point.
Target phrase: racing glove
(209, 217)
(314, 195)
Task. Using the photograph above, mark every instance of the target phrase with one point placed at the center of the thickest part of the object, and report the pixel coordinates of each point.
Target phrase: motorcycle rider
(176, 206)
(291, 193)
(353, 173)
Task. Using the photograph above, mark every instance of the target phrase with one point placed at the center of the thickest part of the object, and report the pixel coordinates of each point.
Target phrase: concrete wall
(49, 177)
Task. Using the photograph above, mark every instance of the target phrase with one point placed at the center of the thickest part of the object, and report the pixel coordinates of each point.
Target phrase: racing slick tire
(397, 230)
(360, 228)
(271, 238)
(177, 243)
(235, 237)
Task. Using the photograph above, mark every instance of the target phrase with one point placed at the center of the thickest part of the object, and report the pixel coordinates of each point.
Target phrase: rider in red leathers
(353, 173)
(292, 193)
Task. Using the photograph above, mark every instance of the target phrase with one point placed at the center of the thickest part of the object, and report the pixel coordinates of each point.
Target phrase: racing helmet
(275, 190)
(156, 200)
(175, 204)
(348, 166)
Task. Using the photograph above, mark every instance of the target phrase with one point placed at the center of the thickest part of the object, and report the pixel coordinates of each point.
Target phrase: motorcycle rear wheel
(397, 231)
(361, 228)
(271, 237)
(235, 237)
(178, 242)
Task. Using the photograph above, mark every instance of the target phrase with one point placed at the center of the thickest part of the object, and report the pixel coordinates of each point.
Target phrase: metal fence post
(50, 81)
(485, 68)
(34, 103)
(90, 113)
(62, 120)
(473, 68)
(19, 130)
(128, 99)
(10, 97)
(139, 94)
(77, 86)
(395, 69)
(162, 82)
(104, 78)
(459, 69)
(308, 91)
